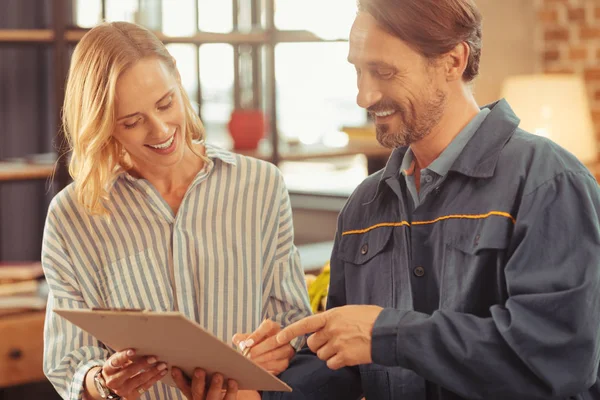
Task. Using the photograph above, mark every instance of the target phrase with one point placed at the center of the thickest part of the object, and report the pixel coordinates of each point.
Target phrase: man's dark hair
(431, 27)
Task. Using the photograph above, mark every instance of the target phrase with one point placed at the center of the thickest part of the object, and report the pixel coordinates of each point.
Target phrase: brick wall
(569, 38)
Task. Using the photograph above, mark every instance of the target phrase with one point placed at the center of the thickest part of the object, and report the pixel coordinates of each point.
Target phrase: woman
(156, 219)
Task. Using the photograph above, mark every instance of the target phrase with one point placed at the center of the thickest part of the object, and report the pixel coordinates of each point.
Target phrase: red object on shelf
(247, 128)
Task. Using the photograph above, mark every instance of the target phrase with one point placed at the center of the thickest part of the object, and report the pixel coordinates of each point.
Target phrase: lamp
(555, 106)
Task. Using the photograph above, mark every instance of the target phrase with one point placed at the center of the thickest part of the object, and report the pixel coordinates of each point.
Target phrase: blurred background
(281, 60)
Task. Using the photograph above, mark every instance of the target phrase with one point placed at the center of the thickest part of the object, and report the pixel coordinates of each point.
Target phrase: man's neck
(459, 112)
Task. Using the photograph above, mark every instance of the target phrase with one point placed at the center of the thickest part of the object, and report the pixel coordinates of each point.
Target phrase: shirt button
(364, 249)
(428, 178)
(419, 271)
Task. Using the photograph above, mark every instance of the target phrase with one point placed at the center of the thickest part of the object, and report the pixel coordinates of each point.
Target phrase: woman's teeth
(165, 145)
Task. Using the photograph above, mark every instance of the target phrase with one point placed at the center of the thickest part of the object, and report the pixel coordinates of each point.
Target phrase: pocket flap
(471, 238)
(361, 247)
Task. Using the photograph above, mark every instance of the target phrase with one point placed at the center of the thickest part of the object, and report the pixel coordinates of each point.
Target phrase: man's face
(402, 90)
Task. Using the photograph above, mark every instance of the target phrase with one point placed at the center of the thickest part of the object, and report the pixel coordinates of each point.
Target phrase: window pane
(185, 55)
(88, 13)
(215, 16)
(316, 91)
(121, 10)
(178, 17)
(329, 19)
(216, 78)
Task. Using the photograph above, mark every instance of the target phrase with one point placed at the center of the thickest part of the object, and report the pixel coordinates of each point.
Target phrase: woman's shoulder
(66, 204)
(64, 200)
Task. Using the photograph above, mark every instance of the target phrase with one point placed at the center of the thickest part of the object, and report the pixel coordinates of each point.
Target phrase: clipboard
(176, 340)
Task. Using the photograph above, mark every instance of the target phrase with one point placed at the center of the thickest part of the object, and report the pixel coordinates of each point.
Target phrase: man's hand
(342, 336)
(265, 351)
(199, 389)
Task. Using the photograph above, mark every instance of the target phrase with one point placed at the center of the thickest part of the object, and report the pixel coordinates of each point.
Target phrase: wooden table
(22, 171)
(376, 154)
(21, 348)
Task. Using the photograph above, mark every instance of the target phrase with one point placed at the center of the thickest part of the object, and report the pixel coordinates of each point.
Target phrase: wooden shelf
(20, 171)
(369, 148)
(26, 36)
(257, 37)
(302, 37)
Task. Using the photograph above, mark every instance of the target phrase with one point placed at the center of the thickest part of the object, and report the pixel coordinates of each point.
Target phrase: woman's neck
(177, 177)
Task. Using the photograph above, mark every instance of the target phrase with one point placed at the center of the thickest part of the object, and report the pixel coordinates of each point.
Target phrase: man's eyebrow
(373, 63)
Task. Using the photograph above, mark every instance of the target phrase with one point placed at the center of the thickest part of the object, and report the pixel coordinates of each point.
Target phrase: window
(87, 13)
(316, 91)
(178, 17)
(215, 16)
(122, 10)
(328, 19)
(216, 75)
(185, 57)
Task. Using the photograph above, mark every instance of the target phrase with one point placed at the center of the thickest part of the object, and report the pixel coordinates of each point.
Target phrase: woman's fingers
(266, 329)
(239, 337)
(144, 381)
(118, 379)
(118, 361)
(284, 352)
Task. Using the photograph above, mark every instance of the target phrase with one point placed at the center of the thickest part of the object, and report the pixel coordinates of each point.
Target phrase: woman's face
(150, 115)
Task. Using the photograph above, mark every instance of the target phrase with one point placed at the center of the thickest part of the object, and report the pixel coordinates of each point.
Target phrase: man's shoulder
(365, 192)
(537, 159)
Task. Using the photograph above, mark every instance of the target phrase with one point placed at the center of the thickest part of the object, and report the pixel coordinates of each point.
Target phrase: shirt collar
(446, 159)
(216, 153)
(212, 152)
(480, 155)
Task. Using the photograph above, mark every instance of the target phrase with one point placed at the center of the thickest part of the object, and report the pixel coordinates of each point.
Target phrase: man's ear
(456, 60)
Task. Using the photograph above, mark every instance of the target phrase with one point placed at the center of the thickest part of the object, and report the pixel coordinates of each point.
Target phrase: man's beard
(415, 125)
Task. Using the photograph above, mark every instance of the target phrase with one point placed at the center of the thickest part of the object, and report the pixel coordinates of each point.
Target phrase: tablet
(176, 340)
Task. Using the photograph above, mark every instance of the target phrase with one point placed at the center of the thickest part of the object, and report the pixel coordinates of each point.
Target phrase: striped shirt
(226, 260)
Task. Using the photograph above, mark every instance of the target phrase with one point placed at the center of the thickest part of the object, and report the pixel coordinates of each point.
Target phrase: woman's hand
(265, 351)
(130, 376)
(198, 389)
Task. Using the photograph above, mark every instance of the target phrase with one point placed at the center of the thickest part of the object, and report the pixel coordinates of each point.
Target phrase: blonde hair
(101, 56)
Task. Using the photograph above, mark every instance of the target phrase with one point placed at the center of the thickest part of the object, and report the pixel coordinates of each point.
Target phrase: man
(469, 268)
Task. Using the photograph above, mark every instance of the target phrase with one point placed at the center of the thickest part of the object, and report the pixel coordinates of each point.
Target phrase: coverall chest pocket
(473, 269)
(368, 269)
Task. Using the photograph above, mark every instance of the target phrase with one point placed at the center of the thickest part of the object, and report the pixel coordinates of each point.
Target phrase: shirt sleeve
(69, 352)
(286, 293)
(543, 342)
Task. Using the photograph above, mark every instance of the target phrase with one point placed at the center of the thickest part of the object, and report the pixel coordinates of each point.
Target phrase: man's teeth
(165, 145)
(385, 113)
